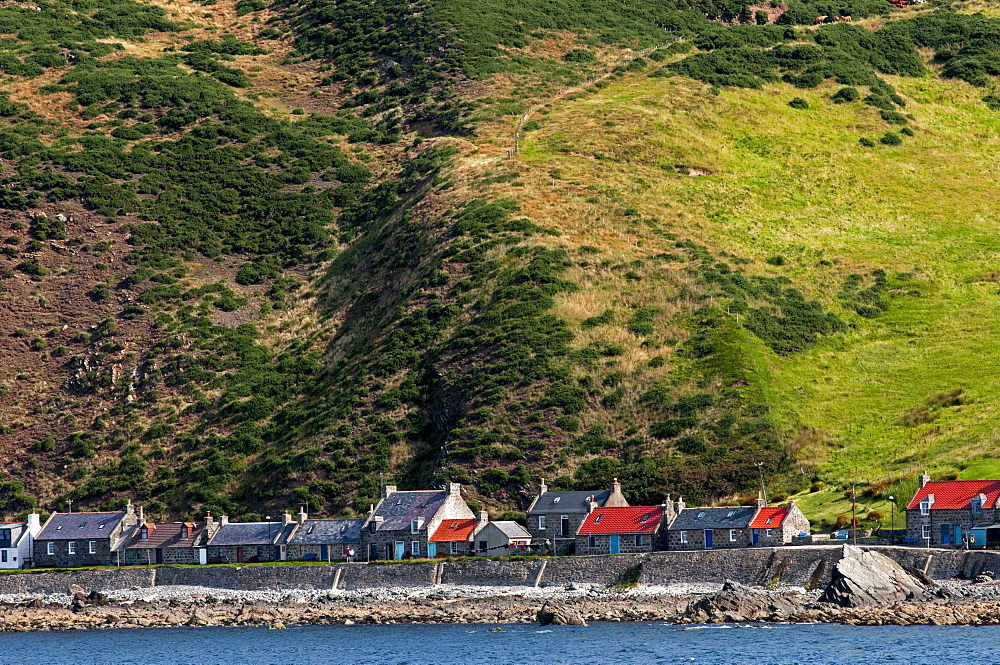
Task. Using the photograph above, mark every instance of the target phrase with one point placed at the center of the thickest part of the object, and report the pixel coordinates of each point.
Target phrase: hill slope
(314, 246)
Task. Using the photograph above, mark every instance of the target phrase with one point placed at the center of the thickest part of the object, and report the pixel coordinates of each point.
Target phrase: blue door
(432, 550)
(945, 534)
(400, 550)
(958, 534)
(615, 547)
(708, 539)
(324, 552)
(756, 537)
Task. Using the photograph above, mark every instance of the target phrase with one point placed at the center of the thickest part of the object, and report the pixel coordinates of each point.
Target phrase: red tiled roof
(451, 530)
(165, 535)
(769, 518)
(957, 494)
(633, 519)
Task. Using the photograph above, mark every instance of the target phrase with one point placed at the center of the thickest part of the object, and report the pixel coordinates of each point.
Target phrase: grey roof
(400, 508)
(729, 517)
(73, 526)
(512, 529)
(328, 532)
(567, 502)
(253, 533)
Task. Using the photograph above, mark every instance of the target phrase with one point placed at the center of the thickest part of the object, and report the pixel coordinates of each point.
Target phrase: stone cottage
(945, 512)
(250, 542)
(777, 525)
(455, 537)
(710, 528)
(68, 540)
(169, 543)
(325, 540)
(502, 538)
(17, 541)
(399, 526)
(623, 529)
(556, 516)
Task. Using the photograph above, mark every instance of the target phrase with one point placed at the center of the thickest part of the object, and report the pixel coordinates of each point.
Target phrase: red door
(239, 555)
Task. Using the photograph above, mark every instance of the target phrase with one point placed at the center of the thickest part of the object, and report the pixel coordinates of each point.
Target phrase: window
(92, 547)
(701, 514)
(72, 547)
(4, 537)
(541, 522)
(977, 506)
(144, 533)
(684, 537)
(483, 545)
(732, 535)
(645, 518)
(453, 547)
(564, 526)
(925, 507)
(50, 548)
(769, 520)
(925, 532)
(638, 540)
(730, 513)
(414, 526)
(767, 533)
(374, 526)
(184, 532)
(415, 548)
(592, 541)
(556, 500)
(597, 520)
(3, 556)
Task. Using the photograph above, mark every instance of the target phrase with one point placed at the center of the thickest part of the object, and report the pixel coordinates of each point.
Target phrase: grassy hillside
(315, 246)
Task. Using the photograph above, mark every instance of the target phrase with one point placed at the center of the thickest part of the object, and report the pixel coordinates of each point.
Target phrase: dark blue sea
(598, 644)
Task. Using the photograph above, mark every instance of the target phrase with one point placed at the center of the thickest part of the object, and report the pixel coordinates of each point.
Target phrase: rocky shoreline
(866, 589)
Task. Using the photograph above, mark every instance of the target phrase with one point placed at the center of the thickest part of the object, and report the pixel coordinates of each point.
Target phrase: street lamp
(269, 536)
(892, 527)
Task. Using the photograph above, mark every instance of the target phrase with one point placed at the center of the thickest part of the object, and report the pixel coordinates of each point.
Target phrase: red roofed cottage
(944, 512)
(622, 529)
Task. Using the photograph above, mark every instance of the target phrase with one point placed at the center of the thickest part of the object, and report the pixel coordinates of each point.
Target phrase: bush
(891, 138)
(776, 260)
(866, 142)
(846, 95)
(799, 103)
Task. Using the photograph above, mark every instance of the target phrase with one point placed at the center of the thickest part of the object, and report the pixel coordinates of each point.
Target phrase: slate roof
(634, 519)
(454, 530)
(769, 518)
(957, 494)
(567, 502)
(728, 517)
(79, 526)
(400, 508)
(253, 533)
(165, 535)
(328, 532)
(512, 529)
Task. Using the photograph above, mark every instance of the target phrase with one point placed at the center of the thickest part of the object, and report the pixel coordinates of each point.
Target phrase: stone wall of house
(720, 539)
(61, 558)
(915, 522)
(602, 544)
(553, 526)
(383, 538)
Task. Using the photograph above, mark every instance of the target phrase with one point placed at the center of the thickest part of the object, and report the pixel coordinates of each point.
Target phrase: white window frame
(733, 535)
(684, 537)
(767, 533)
(50, 549)
(925, 531)
(541, 523)
(415, 547)
(414, 526)
(453, 547)
(71, 547)
(925, 507)
(92, 547)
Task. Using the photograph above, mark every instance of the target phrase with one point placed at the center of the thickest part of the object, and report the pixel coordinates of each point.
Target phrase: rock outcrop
(736, 603)
(554, 615)
(869, 579)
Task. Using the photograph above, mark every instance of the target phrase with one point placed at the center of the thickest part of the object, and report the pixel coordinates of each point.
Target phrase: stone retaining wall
(796, 566)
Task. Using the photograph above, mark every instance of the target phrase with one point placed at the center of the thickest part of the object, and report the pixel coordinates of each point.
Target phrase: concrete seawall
(796, 566)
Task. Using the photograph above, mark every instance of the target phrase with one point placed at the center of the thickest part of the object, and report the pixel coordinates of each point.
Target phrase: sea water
(597, 644)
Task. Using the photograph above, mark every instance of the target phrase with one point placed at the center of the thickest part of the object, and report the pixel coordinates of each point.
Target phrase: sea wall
(796, 566)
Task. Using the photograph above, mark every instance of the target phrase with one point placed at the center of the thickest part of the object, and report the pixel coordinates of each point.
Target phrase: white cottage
(17, 541)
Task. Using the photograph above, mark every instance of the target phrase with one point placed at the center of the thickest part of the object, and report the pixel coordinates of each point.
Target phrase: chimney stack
(302, 515)
(680, 504)
(617, 499)
(286, 518)
(142, 516)
(924, 479)
(34, 523)
(484, 517)
(209, 520)
(387, 490)
(223, 520)
(591, 505)
(455, 489)
(543, 488)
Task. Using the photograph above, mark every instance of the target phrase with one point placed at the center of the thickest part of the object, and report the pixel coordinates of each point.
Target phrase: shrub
(866, 142)
(846, 95)
(776, 260)
(99, 292)
(799, 103)
(891, 138)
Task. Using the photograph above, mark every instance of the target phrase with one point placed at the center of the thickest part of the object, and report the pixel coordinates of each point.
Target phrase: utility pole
(763, 492)
(854, 514)
(70, 502)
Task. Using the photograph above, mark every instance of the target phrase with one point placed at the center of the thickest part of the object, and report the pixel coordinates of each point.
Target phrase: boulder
(736, 603)
(552, 615)
(869, 579)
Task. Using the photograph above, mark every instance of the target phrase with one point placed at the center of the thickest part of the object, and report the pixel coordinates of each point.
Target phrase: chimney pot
(223, 520)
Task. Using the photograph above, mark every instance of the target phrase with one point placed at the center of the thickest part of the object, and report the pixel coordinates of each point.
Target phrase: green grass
(798, 184)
